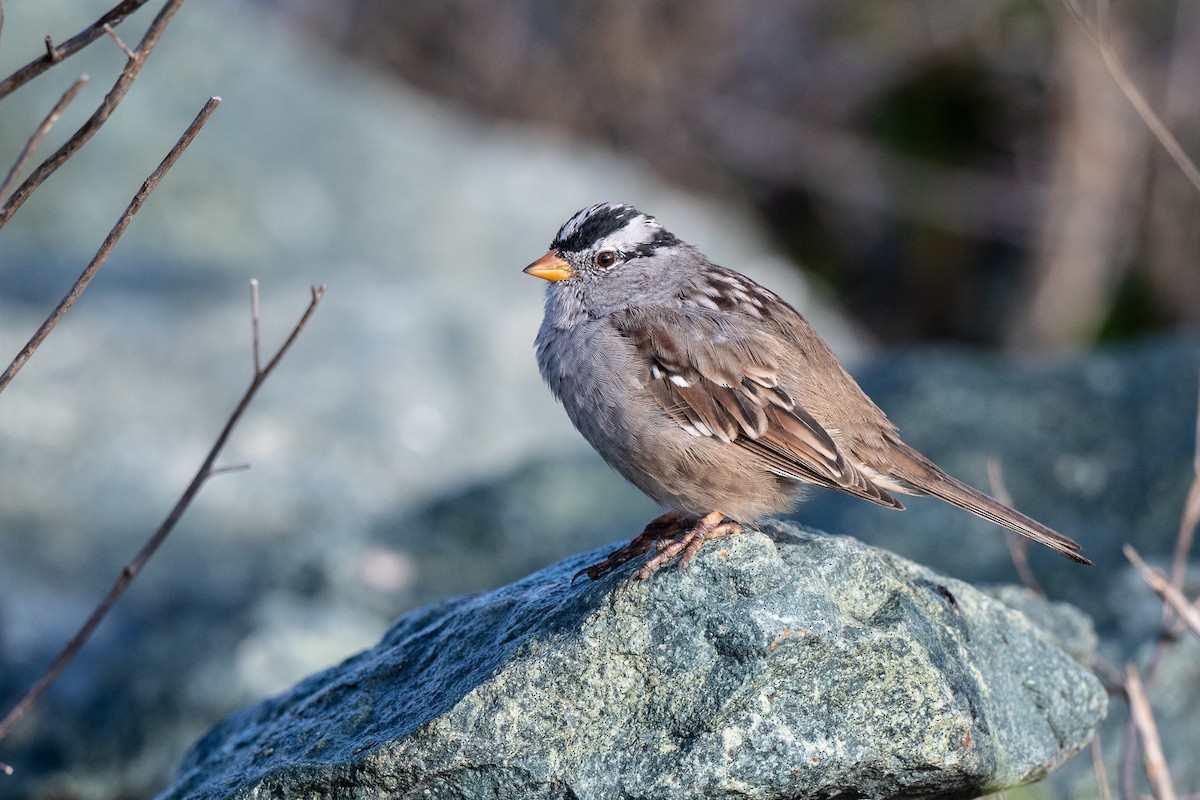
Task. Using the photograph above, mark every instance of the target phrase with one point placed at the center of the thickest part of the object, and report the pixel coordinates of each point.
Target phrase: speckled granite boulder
(781, 664)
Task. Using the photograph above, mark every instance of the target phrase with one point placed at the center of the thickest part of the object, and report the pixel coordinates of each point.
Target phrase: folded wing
(720, 384)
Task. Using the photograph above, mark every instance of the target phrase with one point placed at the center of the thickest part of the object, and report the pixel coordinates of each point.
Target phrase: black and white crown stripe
(612, 226)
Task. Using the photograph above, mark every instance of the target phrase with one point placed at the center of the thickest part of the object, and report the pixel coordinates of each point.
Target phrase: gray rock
(785, 664)
(1065, 625)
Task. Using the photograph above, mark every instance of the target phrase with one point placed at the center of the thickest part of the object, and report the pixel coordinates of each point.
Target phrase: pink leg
(663, 527)
(687, 544)
(671, 535)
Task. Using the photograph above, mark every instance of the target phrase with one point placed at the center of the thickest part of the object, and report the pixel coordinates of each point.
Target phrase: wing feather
(715, 383)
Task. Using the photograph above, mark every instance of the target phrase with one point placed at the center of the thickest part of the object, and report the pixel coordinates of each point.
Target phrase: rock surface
(780, 664)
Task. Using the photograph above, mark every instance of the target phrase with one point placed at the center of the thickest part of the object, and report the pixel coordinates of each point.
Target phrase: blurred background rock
(904, 173)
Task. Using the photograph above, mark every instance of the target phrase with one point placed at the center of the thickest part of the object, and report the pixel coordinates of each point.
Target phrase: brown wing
(718, 383)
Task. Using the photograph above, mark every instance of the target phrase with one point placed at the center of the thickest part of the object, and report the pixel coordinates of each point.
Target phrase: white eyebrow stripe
(636, 232)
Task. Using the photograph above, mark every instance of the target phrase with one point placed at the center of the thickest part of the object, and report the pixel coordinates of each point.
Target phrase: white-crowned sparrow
(711, 394)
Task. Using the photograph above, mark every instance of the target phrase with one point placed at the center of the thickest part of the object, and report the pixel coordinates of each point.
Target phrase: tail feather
(960, 494)
(932, 480)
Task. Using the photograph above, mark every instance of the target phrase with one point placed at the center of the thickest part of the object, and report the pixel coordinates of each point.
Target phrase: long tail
(929, 478)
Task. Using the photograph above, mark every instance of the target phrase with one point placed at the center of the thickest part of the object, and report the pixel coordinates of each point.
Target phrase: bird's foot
(688, 543)
(671, 534)
(663, 527)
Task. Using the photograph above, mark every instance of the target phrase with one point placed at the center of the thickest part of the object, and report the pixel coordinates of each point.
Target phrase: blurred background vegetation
(956, 171)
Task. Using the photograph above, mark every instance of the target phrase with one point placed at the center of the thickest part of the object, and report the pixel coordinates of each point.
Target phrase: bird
(713, 395)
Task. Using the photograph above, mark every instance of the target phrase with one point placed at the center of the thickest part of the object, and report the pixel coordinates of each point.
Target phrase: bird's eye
(606, 258)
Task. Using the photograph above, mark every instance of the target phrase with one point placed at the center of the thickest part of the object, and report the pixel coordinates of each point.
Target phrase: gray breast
(591, 370)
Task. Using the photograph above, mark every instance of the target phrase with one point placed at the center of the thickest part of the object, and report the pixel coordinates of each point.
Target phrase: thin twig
(1018, 546)
(254, 322)
(1098, 768)
(113, 35)
(1187, 532)
(1152, 753)
(1098, 33)
(134, 567)
(1169, 593)
(109, 242)
(1191, 514)
(36, 138)
(98, 118)
(1168, 632)
(1110, 676)
(229, 469)
(70, 47)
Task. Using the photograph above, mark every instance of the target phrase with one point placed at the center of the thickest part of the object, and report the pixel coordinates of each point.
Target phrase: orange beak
(550, 267)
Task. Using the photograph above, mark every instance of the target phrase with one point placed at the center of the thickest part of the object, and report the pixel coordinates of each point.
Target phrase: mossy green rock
(781, 664)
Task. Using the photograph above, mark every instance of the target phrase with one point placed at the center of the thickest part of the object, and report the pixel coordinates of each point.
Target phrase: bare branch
(1152, 753)
(36, 138)
(109, 242)
(1190, 517)
(1098, 33)
(1170, 593)
(134, 567)
(254, 324)
(98, 118)
(1110, 676)
(113, 35)
(1098, 768)
(226, 470)
(1169, 632)
(1018, 546)
(115, 16)
(1151, 119)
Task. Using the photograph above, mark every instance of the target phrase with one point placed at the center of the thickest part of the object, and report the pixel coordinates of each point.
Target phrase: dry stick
(34, 140)
(1098, 34)
(1098, 768)
(254, 319)
(1152, 754)
(131, 570)
(1166, 590)
(1168, 633)
(1152, 120)
(1188, 522)
(1191, 515)
(1018, 546)
(110, 241)
(101, 115)
(115, 16)
(117, 39)
(1111, 677)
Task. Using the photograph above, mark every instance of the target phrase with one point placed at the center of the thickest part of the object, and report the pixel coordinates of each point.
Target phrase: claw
(686, 546)
(662, 527)
(670, 535)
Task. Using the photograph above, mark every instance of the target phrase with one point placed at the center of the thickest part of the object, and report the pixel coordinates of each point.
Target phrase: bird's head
(610, 256)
